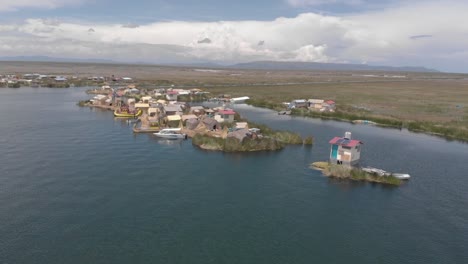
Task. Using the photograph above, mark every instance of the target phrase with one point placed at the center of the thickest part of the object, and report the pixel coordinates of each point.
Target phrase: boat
(170, 133)
(128, 114)
(380, 172)
(287, 112)
(401, 176)
(364, 122)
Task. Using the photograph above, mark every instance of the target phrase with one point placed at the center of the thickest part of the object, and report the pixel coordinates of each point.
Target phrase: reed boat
(127, 114)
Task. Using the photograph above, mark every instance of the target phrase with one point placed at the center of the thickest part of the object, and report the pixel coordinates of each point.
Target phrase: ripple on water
(77, 186)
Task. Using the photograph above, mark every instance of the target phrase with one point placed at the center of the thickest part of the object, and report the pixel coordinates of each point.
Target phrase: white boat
(170, 133)
(401, 176)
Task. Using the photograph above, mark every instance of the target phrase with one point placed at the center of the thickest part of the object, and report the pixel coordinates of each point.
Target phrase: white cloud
(379, 37)
(14, 5)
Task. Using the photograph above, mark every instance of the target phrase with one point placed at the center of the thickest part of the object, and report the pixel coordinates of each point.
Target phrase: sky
(428, 33)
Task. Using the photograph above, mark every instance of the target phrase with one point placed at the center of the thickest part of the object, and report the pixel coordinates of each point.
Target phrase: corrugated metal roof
(316, 101)
(227, 112)
(345, 142)
(172, 108)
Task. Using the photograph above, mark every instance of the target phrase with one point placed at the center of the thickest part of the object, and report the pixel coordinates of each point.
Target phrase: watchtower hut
(345, 151)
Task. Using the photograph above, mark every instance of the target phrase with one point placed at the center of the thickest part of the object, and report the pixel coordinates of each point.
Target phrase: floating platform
(146, 130)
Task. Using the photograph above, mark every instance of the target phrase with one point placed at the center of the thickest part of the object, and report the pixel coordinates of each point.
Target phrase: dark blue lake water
(77, 186)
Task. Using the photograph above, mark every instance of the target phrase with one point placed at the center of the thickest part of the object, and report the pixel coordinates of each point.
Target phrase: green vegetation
(451, 130)
(446, 131)
(355, 174)
(265, 104)
(15, 85)
(309, 140)
(83, 103)
(56, 85)
(346, 116)
(233, 144)
(269, 140)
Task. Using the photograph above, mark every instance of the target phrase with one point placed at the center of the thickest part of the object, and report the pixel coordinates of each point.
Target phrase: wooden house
(345, 151)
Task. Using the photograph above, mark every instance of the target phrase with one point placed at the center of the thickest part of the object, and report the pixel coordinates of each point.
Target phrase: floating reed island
(355, 174)
(219, 128)
(345, 154)
(248, 138)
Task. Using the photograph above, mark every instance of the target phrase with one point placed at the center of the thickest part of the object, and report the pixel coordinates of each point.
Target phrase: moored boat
(364, 122)
(401, 176)
(128, 114)
(170, 133)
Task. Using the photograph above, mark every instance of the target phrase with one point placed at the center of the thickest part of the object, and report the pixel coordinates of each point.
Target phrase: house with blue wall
(345, 150)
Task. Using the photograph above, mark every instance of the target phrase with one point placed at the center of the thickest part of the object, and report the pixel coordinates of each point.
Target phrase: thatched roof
(192, 123)
(239, 134)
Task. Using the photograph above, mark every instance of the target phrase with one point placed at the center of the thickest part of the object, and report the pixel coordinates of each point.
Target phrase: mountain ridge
(254, 65)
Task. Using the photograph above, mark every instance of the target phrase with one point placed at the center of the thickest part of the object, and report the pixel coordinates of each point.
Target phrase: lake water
(77, 186)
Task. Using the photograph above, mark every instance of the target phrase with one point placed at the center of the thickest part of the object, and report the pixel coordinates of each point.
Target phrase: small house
(315, 104)
(143, 106)
(197, 110)
(242, 125)
(174, 120)
(225, 116)
(171, 95)
(172, 109)
(192, 123)
(345, 151)
(299, 103)
(211, 124)
(239, 134)
(331, 105)
(146, 99)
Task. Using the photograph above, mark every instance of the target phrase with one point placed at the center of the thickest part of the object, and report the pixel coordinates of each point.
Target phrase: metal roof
(227, 112)
(345, 142)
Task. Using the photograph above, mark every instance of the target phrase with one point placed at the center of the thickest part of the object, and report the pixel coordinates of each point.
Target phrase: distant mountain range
(255, 65)
(53, 59)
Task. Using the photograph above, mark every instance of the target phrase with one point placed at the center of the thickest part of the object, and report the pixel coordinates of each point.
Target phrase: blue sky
(393, 32)
(206, 10)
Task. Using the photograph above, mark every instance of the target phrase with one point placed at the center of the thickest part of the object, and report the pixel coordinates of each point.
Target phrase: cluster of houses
(30, 79)
(36, 79)
(160, 109)
(313, 105)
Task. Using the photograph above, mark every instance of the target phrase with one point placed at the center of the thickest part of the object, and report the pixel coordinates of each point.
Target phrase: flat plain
(438, 98)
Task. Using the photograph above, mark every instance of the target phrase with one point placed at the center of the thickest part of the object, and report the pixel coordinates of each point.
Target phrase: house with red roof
(345, 151)
(329, 105)
(172, 95)
(226, 115)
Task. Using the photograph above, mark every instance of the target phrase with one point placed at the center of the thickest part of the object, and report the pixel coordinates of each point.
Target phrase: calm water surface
(77, 186)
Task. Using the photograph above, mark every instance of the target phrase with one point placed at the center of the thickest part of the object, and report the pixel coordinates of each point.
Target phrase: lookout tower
(345, 150)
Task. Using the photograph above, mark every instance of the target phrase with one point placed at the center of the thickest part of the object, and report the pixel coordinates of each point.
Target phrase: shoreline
(412, 126)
